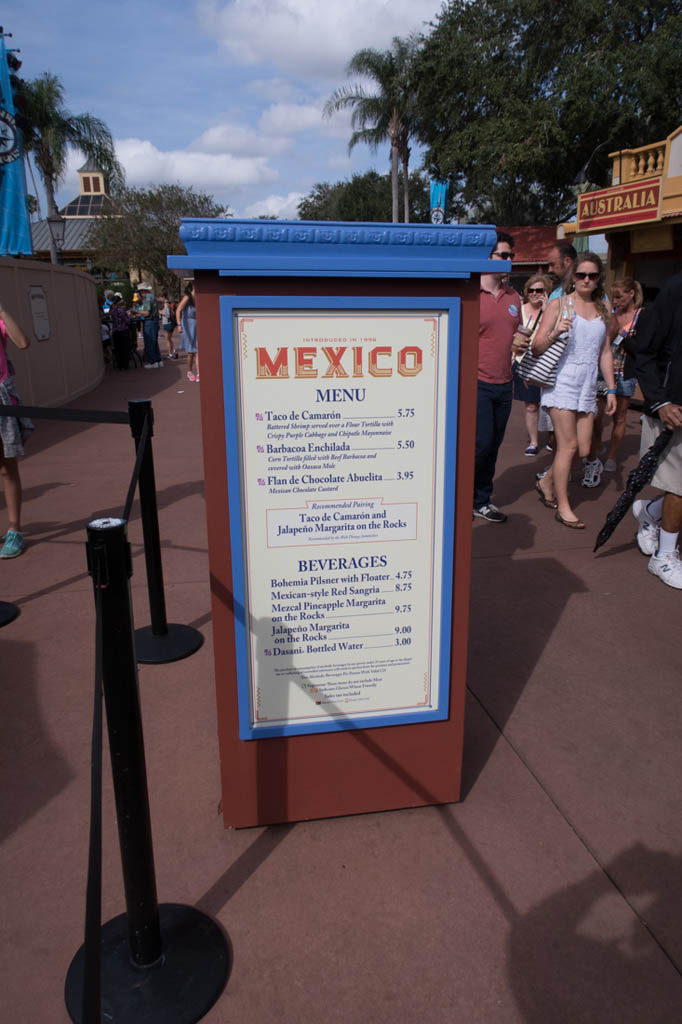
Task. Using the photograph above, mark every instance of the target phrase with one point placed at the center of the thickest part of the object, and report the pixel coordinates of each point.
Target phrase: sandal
(577, 525)
(543, 497)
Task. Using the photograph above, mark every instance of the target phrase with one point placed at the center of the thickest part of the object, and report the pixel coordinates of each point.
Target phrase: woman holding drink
(535, 293)
(572, 402)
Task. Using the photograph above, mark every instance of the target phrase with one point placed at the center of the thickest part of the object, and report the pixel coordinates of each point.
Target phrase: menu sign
(341, 448)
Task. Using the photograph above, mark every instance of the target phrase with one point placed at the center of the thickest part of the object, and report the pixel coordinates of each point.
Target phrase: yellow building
(640, 214)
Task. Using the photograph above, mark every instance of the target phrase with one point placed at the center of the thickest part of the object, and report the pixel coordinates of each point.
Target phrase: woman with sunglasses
(535, 293)
(572, 402)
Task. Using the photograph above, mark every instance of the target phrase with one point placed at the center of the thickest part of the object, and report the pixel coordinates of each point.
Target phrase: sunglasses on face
(536, 291)
(582, 275)
(504, 255)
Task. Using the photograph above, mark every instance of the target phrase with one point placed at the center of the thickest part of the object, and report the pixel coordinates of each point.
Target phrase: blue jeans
(150, 335)
(492, 412)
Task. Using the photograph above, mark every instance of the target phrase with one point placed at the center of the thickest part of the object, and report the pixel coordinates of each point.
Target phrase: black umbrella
(638, 478)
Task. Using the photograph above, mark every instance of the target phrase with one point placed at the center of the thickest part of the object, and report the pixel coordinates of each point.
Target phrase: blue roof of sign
(335, 249)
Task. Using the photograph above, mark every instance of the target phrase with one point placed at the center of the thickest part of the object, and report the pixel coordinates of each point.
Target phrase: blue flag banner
(439, 197)
(15, 227)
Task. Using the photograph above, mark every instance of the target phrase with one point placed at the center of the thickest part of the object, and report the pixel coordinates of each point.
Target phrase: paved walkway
(552, 893)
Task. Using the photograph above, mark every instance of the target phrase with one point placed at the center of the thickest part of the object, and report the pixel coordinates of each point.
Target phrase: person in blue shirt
(148, 310)
(560, 262)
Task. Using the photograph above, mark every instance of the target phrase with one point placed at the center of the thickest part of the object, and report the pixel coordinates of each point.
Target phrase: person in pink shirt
(13, 433)
(500, 315)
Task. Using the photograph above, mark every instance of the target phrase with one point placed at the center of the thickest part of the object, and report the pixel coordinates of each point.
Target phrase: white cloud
(230, 137)
(68, 185)
(145, 164)
(288, 118)
(274, 89)
(284, 207)
(338, 126)
(307, 38)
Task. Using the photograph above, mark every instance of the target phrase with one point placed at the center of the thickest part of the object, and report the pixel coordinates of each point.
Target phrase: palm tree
(50, 130)
(385, 114)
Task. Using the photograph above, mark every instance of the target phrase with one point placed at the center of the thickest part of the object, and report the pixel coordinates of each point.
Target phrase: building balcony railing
(636, 164)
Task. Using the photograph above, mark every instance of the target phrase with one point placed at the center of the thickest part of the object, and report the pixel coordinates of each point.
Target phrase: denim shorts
(625, 387)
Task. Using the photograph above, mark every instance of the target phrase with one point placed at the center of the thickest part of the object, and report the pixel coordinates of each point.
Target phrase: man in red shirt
(500, 315)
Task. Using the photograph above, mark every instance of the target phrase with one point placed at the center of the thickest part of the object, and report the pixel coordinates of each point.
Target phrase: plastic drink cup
(520, 341)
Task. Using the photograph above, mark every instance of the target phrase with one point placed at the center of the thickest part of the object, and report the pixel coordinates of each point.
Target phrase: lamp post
(581, 184)
(581, 177)
(57, 226)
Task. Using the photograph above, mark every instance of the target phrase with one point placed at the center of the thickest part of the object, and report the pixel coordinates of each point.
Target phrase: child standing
(13, 433)
(168, 324)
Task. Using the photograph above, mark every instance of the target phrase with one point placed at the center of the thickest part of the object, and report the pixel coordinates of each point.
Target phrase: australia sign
(621, 206)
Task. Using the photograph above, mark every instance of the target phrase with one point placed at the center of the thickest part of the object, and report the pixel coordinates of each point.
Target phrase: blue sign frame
(231, 305)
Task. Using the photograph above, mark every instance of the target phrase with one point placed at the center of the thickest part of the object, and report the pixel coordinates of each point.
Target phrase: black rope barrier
(92, 1004)
(39, 412)
(9, 612)
(161, 642)
(144, 437)
(165, 963)
(168, 963)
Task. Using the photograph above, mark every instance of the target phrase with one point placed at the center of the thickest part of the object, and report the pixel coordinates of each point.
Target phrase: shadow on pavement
(33, 770)
(582, 954)
(516, 604)
(224, 888)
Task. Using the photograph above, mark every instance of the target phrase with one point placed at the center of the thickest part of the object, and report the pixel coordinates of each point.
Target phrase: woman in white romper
(572, 402)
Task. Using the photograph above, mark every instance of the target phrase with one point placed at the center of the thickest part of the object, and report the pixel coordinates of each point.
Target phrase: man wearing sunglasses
(500, 315)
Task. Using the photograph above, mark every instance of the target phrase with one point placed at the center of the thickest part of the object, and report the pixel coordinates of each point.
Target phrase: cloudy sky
(224, 95)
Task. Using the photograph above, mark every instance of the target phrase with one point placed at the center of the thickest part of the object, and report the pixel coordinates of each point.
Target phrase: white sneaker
(668, 568)
(592, 474)
(647, 534)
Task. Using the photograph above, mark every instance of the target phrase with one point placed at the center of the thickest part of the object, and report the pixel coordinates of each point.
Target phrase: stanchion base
(8, 613)
(180, 989)
(179, 642)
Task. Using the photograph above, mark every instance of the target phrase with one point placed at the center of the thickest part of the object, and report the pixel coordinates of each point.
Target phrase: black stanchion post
(139, 410)
(108, 544)
(161, 642)
(167, 963)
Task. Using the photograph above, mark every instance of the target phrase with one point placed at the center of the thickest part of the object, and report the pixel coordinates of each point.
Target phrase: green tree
(517, 99)
(50, 131)
(364, 197)
(142, 229)
(386, 114)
